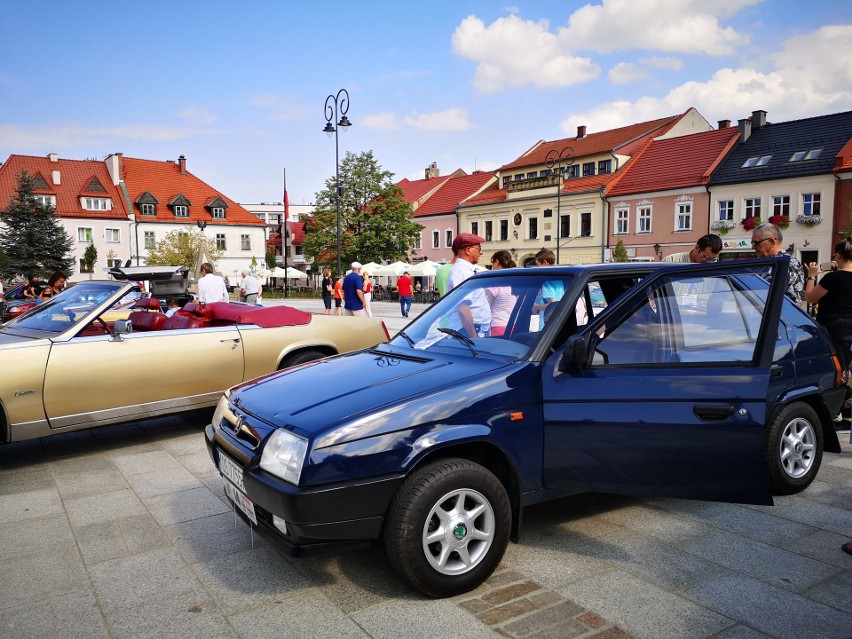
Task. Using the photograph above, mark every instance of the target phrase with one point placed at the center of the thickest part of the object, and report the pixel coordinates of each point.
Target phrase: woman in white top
(500, 297)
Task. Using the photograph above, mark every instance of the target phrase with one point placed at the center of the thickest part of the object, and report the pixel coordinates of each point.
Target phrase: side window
(690, 320)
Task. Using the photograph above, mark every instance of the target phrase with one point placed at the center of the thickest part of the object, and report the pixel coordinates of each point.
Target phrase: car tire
(300, 358)
(794, 448)
(447, 527)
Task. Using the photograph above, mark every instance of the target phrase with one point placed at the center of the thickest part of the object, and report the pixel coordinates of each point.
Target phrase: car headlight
(219, 413)
(284, 454)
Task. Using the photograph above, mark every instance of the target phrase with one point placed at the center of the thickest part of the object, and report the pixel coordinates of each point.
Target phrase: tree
(90, 258)
(33, 240)
(270, 257)
(375, 218)
(619, 254)
(181, 247)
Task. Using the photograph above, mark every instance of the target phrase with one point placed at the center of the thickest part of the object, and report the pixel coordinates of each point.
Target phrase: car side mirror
(121, 327)
(576, 354)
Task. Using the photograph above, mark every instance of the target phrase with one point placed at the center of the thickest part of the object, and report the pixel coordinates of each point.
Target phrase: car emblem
(460, 531)
(238, 425)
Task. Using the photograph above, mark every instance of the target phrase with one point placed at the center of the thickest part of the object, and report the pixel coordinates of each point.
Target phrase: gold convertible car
(68, 364)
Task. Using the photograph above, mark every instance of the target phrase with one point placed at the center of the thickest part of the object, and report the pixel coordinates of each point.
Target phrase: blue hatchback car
(690, 381)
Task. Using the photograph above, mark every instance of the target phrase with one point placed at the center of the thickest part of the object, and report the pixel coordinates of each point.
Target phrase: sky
(240, 88)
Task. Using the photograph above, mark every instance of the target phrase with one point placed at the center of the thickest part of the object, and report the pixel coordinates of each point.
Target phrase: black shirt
(837, 302)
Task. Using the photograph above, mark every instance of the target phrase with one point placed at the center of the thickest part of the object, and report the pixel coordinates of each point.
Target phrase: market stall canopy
(426, 268)
(370, 267)
(390, 270)
(290, 273)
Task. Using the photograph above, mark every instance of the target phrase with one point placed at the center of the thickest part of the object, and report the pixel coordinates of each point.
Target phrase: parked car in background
(14, 302)
(164, 282)
(687, 381)
(82, 359)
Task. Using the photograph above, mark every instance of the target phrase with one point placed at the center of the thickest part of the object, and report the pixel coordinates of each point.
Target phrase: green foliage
(270, 258)
(181, 247)
(375, 219)
(90, 258)
(619, 254)
(33, 240)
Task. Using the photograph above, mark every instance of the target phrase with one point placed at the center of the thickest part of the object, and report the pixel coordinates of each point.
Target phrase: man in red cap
(474, 311)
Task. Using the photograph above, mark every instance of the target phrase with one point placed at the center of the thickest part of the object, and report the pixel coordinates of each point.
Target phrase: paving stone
(502, 614)
(566, 629)
(836, 591)
(513, 591)
(475, 606)
(115, 538)
(29, 578)
(33, 536)
(544, 598)
(739, 632)
(434, 618)
(656, 522)
(93, 483)
(174, 508)
(158, 482)
(94, 509)
(207, 538)
(145, 461)
(25, 480)
(772, 610)
(561, 614)
(73, 615)
(187, 615)
(30, 504)
(822, 546)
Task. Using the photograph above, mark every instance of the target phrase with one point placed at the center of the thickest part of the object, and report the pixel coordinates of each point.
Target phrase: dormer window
(217, 207)
(148, 209)
(179, 205)
(218, 213)
(45, 200)
(96, 203)
(147, 204)
(181, 211)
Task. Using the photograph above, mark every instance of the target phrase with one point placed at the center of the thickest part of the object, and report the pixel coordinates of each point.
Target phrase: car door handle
(776, 370)
(235, 342)
(712, 413)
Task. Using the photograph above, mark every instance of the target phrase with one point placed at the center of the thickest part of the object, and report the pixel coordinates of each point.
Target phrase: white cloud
(453, 119)
(512, 52)
(686, 26)
(56, 137)
(659, 62)
(808, 80)
(626, 73)
(197, 115)
(280, 108)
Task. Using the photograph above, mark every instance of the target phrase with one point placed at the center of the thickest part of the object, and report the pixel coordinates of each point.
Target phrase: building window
(298, 248)
(181, 211)
(83, 268)
(220, 241)
(45, 200)
(751, 205)
(564, 226)
(813, 154)
(757, 160)
(436, 239)
(780, 205)
(148, 209)
(643, 221)
(85, 234)
(489, 231)
(532, 175)
(97, 204)
(448, 238)
(622, 221)
(504, 230)
(726, 210)
(150, 242)
(571, 171)
(683, 216)
(506, 180)
(586, 224)
(519, 177)
(245, 242)
(588, 168)
(810, 203)
(474, 228)
(533, 229)
(112, 235)
(605, 166)
(218, 213)
(417, 240)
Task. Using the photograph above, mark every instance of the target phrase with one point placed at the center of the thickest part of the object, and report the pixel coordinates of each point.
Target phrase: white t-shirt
(211, 288)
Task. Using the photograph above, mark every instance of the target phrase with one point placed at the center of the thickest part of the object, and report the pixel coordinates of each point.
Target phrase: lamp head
(329, 129)
(344, 122)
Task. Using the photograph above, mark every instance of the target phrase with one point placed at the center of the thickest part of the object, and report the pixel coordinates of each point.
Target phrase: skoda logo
(460, 531)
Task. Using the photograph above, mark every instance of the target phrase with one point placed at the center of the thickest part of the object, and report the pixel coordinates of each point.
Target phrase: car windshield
(500, 316)
(59, 313)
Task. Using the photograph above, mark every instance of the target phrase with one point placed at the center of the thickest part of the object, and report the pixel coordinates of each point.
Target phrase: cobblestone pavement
(125, 532)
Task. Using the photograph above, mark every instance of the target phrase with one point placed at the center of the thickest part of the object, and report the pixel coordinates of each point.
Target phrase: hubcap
(797, 447)
(458, 532)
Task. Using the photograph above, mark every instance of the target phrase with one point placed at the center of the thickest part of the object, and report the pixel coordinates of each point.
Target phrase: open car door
(664, 393)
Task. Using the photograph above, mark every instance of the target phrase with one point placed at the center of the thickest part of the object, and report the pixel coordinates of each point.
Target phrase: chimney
(182, 164)
(758, 119)
(724, 124)
(745, 129)
(54, 157)
(113, 164)
(581, 131)
(432, 171)
(56, 177)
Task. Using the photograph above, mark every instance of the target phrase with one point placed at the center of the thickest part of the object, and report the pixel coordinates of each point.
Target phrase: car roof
(147, 272)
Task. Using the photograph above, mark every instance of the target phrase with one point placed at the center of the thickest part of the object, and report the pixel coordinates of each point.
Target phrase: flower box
(750, 222)
(808, 220)
(723, 226)
(781, 221)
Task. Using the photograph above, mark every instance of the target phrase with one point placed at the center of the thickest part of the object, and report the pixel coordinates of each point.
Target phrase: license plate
(234, 486)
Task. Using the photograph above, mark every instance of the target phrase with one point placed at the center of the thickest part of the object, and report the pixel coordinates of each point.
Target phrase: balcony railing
(529, 184)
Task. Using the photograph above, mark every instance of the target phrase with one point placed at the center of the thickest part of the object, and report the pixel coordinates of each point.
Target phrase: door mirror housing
(576, 354)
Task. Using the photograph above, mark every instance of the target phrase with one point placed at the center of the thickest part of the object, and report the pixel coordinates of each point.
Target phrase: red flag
(286, 206)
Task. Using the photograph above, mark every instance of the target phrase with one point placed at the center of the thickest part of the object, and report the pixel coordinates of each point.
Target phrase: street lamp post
(335, 109)
(562, 160)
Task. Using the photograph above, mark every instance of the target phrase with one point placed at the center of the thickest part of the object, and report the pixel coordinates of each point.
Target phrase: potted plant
(808, 220)
(723, 226)
(750, 222)
(781, 221)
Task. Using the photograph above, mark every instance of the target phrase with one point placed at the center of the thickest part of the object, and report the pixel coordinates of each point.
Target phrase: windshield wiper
(464, 339)
(406, 338)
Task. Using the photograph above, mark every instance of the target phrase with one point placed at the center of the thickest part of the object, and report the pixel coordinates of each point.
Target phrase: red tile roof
(674, 162)
(593, 143)
(414, 190)
(843, 159)
(75, 178)
(297, 235)
(455, 191)
(165, 182)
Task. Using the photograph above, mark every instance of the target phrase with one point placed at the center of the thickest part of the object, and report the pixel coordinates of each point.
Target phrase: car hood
(373, 384)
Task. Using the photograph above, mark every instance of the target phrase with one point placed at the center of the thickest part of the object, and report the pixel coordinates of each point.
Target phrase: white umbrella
(278, 272)
(426, 268)
(391, 270)
(370, 267)
(294, 273)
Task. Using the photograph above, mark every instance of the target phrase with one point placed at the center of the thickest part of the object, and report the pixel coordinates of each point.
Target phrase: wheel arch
(326, 349)
(489, 456)
(826, 420)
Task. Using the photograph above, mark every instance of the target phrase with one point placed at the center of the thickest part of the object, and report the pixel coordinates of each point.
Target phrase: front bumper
(319, 520)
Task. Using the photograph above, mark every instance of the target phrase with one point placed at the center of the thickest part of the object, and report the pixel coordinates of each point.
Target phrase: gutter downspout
(605, 217)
